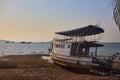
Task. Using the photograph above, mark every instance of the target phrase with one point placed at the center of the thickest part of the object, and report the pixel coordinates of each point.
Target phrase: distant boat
(23, 42)
(78, 49)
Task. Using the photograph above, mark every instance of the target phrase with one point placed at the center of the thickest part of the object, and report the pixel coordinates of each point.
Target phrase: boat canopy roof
(84, 31)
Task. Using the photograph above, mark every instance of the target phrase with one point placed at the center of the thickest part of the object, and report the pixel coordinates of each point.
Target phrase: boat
(77, 49)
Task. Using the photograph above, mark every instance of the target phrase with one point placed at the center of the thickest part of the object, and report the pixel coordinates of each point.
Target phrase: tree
(116, 12)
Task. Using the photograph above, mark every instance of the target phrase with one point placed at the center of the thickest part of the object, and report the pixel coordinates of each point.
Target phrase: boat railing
(63, 38)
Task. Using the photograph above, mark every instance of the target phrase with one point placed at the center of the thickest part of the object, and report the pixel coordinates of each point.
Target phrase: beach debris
(47, 58)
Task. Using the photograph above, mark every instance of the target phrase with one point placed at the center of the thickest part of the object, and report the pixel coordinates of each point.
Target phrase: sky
(38, 20)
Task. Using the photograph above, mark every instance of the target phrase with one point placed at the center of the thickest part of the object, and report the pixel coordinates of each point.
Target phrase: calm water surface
(109, 48)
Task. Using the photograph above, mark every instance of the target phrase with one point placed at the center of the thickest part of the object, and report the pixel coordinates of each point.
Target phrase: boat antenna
(98, 23)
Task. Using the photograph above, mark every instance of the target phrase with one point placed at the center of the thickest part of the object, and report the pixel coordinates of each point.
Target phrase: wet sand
(32, 67)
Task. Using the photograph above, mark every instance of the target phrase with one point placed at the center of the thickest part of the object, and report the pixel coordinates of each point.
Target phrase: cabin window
(69, 46)
(63, 46)
(57, 45)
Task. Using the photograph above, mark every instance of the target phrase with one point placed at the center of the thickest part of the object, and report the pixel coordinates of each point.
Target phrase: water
(109, 48)
(18, 48)
(15, 48)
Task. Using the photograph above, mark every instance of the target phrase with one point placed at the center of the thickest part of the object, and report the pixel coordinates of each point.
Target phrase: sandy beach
(32, 67)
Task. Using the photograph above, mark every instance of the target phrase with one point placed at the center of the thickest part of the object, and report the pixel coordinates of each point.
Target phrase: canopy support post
(96, 51)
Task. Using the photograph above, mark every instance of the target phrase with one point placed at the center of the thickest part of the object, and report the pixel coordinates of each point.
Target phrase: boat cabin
(81, 42)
